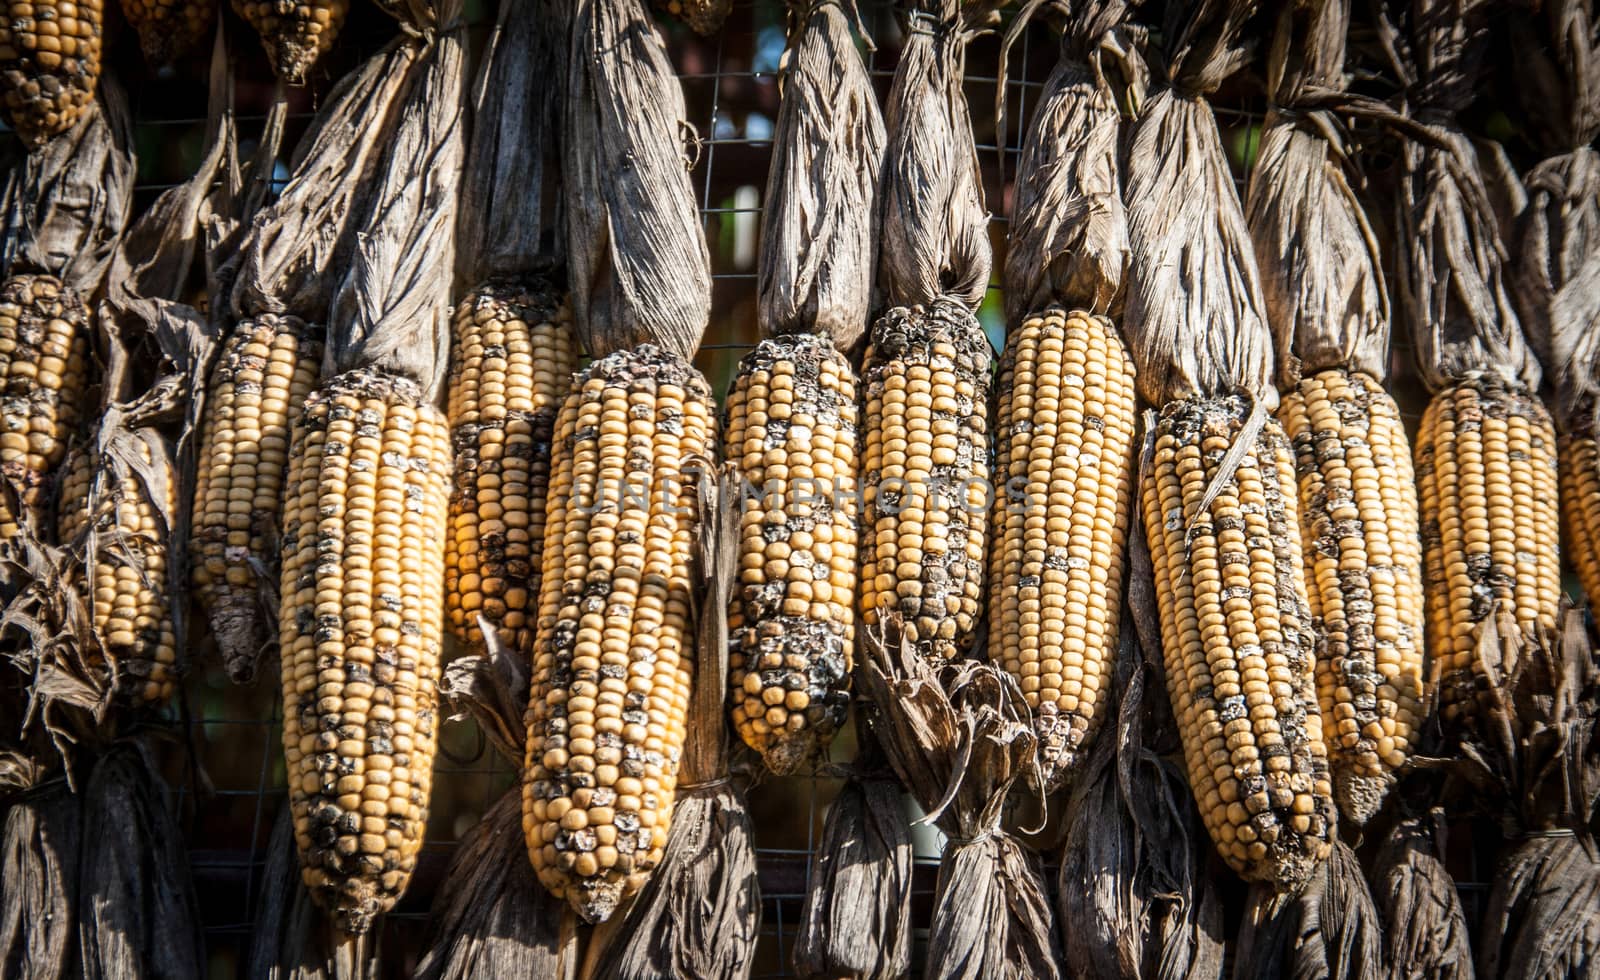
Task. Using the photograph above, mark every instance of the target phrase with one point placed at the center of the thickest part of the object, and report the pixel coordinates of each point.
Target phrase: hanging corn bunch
(49, 65)
(1218, 489)
(791, 412)
(1556, 276)
(512, 347)
(1486, 450)
(365, 517)
(1065, 416)
(1328, 308)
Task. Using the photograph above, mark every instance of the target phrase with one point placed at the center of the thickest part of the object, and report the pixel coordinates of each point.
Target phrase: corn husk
(1068, 240)
(1330, 929)
(1424, 926)
(63, 208)
(934, 238)
(39, 884)
(705, 16)
(1195, 318)
(291, 939)
(1322, 275)
(639, 267)
(857, 917)
(820, 219)
(700, 911)
(1556, 276)
(1452, 269)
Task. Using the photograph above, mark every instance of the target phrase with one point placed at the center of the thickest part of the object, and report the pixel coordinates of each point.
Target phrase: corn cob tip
(1359, 796)
(241, 633)
(355, 904)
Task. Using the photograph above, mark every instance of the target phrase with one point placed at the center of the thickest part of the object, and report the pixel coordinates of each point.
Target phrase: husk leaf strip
(1068, 241)
(1424, 925)
(1329, 931)
(820, 219)
(639, 267)
(39, 884)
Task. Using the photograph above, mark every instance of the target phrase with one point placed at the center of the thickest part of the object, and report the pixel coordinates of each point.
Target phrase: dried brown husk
(639, 267)
(1330, 929)
(392, 309)
(1424, 925)
(857, 917)
(1195, 319)
(705, 16)
(820, 219)
(1321, 269)
(39, 884)
(291, 938)
(934, 238)
(1540, 923)
(516, 120)
(1068, 239)
(1452, 265)
(64, 207)
(137, 914)
(491, 917)
(699, 913)
(960, 738)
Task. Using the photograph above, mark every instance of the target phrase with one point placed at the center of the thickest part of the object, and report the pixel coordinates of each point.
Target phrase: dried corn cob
(1486, 469)
(925, 473)
(49, 64)
(511, 363)
(1237, 633)
(705, 16)
(1064, 462)
(295, 32)
(44, 361)
(1579, 456)
(364, 525)
(791, 430)
(609, 694)
(169, 29)
(126, 579)
(267, 369)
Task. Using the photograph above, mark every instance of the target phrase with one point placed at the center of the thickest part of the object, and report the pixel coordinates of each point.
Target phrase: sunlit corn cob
(511, 365)
(295, 32)
(267, 368)
(1064, 470)
(49, 64)
(169, 29)
(1580, 506)
(1486, 469)
(364, 523)
(925, 474)
(44, 361)
(1358, 519)
(126, 578)
(791, 429)
(1237, 636)
(613, 663)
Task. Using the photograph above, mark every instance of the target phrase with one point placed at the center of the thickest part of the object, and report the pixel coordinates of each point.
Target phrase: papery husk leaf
(1424, 925)
(820, 220)
(857, 916)
(291, 938)
(1557, 281)
(639, 266)
(292, 255)
(39, 884)
(137, 913)
(64, 207)
(1329, 931)
(492, 688)
(934, 238)
(516, 124)
(1541, 923)
(700, 911)
(1557, 48)
(1068, 241)
(1195, 319)
(491, 917)
(392, 311)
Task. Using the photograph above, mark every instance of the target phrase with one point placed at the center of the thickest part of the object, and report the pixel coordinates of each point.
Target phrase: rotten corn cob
(266, 370)
(791, 430)
(511, 363)
(1064, 463)
(925, 474)
(364, 524)
(613, 666)
(49, 64)
(125, 581)
(44, 361)
(295, 32)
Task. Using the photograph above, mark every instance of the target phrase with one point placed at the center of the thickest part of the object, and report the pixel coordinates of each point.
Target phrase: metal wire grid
(730, 84)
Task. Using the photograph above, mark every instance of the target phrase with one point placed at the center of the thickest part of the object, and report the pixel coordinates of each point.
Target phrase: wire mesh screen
(731, 86)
